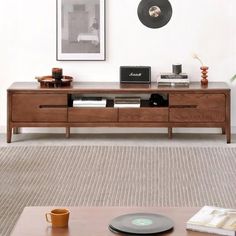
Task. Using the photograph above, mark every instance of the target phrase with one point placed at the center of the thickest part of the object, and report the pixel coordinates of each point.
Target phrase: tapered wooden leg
(16, 130)
(170, 132)
(223, 130)
(67, 132)
(228, 133)
(228, 120)
(228, 138)
(9, 125)
(9, 133)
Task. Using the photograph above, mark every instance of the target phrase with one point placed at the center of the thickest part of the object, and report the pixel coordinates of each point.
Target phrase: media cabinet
(193, 106)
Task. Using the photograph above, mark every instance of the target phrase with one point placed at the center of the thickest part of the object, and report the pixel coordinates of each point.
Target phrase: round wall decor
(154, 13)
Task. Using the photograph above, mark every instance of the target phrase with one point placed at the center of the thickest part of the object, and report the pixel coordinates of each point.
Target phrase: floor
(119, 139)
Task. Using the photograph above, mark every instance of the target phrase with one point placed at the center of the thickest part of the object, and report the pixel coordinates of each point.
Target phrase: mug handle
(47, 218)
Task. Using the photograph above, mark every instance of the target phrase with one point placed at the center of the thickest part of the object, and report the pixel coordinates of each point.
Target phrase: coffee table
(93, 221)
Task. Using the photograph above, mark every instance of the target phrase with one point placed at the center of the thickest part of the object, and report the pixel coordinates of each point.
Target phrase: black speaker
(135, 74)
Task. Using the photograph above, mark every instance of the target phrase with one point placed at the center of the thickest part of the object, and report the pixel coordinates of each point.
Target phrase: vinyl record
(141, 223)
(154, 13)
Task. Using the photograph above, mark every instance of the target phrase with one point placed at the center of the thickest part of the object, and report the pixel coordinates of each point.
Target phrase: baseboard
(121, 130)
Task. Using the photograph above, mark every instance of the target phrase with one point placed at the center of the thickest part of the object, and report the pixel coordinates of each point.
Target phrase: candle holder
(204, 80)
(57, 74)
(177, 69)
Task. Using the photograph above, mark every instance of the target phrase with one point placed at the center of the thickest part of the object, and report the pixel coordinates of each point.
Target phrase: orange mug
(58, 217)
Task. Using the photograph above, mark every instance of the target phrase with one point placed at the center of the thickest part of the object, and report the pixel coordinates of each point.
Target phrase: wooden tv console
(193, 106)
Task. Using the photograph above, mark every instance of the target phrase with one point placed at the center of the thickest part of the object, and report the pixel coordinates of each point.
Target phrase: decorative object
(80, 30)
(213, 220)
(58, 217)
(57, 73)
(204, 80)
(233, 78)
(135, 74)
(50, 82)
(154, 13)
(141, 223)
(177, 69)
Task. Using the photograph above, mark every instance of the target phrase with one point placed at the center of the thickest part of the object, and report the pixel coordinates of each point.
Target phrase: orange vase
(204, 80)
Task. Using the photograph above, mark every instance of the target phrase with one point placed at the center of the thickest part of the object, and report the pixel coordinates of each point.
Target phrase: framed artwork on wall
(80, 30)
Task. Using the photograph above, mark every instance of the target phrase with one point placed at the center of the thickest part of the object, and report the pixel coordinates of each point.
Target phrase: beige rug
(114, 176)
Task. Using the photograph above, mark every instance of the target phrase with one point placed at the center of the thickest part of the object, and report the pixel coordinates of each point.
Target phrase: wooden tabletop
(116, 87)
(93, 221)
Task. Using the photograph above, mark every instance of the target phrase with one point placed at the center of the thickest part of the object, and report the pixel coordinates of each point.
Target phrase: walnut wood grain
(39, 107)
(197, 115)
(228, 118)
(93, 221)
(92, 115)
(201, 107)
(194, 106)
(9, 117)
(96, 87)
(143, 114)
(204, 99)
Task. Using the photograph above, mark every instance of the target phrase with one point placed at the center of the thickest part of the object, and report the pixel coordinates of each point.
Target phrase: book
(91, 98)
(173, 76)
(125, 100)
(89, 105)
(214, 220)
(103, 101)
(173, 80)
(75, 97)
(127, 105)
(172, 84)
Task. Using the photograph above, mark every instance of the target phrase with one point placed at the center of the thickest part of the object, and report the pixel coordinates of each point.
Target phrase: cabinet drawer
(39, 107)
(87, 115)
(197, 107)
(143, 115)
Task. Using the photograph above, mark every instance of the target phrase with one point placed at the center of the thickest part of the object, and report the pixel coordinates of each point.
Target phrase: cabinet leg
(228, 134)
(67, 132)
(170, 132)
(228, 138)
(9, 133)
(223, 130)
(16, 130)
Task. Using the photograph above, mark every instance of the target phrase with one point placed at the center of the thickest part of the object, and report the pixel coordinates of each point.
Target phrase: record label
(142, 222)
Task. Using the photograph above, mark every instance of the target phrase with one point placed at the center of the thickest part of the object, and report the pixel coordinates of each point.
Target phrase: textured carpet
(114, 176)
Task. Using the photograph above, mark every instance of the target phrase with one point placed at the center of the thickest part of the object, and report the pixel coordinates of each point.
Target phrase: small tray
(50, 82)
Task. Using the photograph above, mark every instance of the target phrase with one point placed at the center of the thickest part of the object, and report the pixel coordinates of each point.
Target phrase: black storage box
(135, 74)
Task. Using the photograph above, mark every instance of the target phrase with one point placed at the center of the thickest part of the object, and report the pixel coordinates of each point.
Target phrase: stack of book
(89, 102)
(123, 102)
(214, 220)
(170, 79)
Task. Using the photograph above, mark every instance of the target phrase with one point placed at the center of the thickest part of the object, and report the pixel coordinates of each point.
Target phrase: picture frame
(80, 30)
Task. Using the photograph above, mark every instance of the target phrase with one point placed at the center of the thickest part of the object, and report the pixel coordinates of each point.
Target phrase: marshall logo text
(135, 75)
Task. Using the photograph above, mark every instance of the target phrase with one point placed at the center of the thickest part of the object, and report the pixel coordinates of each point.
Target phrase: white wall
(207, 27)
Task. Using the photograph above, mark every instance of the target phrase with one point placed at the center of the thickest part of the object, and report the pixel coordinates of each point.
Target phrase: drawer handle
(183, 106)
(52, 106)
